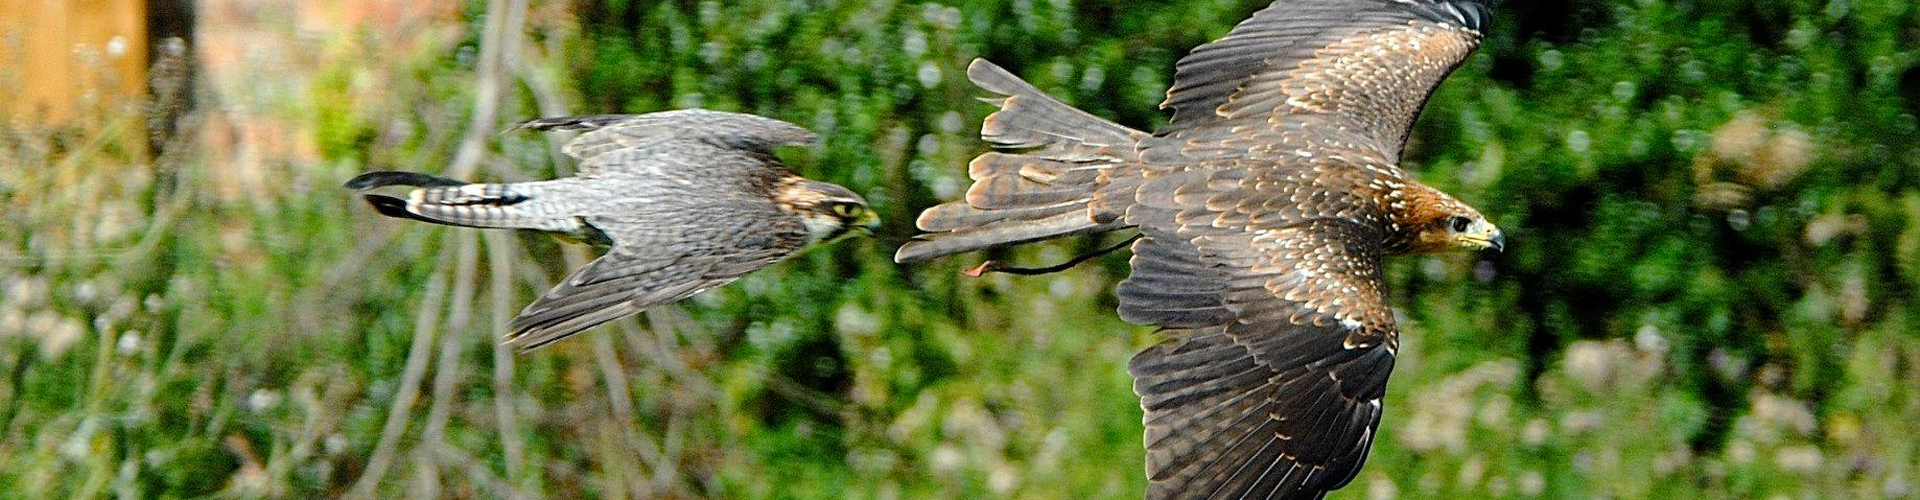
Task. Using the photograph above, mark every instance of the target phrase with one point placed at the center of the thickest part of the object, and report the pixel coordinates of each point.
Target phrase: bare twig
(447, 370)
(662, 479)
(546, 96)
(325, 298)
(477, 472)
(425, 323)
(819, 401)
(621, 402)
(667, 323)
(609, 444)
(502, 33)
(500, 271)
(489, 75)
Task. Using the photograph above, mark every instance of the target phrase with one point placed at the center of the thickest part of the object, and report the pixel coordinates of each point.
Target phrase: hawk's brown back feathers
(1266, 207)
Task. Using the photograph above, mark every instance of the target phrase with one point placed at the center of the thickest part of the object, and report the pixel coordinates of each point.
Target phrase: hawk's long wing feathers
(1303, 74)
(1280, 343)
(1264, 208)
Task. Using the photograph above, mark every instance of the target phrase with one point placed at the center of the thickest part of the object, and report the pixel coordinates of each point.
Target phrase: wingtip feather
(913, 252)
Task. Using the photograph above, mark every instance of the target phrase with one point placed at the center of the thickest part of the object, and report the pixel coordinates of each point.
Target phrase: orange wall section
(59, 58)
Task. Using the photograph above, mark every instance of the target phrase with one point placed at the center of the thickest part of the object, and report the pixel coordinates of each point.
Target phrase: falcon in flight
(1264, 210)
(687, 200)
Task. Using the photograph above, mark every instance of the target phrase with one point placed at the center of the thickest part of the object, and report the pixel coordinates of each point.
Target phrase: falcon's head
(1450, 225)
(829, 211)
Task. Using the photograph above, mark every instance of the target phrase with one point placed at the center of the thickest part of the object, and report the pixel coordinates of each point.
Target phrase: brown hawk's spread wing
(1265, 208)
(1280, 345)
(1263, 238)
(1312, 74)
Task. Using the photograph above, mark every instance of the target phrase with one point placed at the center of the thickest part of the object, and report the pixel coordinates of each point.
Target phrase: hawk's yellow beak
(1483, 237)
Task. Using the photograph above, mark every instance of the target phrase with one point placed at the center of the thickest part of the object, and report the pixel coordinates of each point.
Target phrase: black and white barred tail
(439, 200)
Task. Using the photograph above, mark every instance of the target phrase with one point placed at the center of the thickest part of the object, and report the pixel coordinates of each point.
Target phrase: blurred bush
(1712, 205)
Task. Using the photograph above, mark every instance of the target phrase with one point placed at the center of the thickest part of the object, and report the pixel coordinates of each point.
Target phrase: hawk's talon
(983, 269)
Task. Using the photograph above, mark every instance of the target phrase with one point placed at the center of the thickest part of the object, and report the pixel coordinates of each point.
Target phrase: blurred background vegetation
(1714, 207)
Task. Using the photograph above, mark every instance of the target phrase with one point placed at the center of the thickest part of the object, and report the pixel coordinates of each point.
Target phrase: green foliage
(1712, 207)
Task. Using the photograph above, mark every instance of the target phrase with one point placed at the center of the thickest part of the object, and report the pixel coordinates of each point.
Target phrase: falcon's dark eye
(1459, 223)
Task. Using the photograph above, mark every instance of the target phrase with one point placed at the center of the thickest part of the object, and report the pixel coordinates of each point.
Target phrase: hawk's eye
(1459, 224)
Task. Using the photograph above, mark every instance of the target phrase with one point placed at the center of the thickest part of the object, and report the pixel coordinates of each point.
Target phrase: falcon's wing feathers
(618, 284)
(1280, 344)
(1306, 74)
(686, 131)
(645, 268)
(676, 231)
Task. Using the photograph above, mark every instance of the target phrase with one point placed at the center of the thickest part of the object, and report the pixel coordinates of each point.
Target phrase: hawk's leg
(994, 266)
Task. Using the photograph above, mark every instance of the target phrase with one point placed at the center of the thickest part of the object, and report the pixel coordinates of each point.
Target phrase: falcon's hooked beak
(868, 223)
(1483, 235)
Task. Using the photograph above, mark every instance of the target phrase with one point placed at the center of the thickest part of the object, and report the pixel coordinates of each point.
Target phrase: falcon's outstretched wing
(633, 278)
(1312, 74)
(689, 200)
(680, 220)
(670, 129)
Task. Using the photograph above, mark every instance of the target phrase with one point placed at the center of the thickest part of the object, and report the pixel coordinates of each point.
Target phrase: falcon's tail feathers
(440, 200)
(1049, 184)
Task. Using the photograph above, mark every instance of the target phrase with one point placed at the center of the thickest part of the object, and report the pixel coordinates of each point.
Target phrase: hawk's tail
(440, 200)
(1051, 187)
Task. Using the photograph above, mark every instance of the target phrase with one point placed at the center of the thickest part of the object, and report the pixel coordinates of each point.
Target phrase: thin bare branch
(446, 373)
(669, 323)
(478, 473)
(548, 97)
(621, 402)
(425, 322)
(489, 74)
(500, 261)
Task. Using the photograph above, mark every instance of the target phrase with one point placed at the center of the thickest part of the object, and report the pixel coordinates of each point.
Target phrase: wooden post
(60, 57)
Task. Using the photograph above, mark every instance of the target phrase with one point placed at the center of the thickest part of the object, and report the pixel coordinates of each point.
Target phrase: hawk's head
(1444, 223)
(828, 210)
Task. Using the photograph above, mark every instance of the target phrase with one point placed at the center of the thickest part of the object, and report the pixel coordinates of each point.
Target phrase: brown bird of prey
(687, 200)
(1264, 209)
